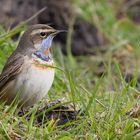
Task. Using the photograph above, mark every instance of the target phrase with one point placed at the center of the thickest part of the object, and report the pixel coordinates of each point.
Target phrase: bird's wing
(11, 69)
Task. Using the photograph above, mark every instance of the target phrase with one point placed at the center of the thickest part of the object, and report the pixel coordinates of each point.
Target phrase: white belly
(34, 83)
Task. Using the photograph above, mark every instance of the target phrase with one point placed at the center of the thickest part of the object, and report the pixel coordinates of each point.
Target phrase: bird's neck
(43, 55)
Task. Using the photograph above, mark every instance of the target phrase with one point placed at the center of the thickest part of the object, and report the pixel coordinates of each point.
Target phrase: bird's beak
(55, 32)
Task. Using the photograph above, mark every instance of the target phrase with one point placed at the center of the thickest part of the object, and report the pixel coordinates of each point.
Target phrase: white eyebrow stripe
(40, 30)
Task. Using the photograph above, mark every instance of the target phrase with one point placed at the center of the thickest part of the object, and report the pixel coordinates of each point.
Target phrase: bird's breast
(35, 80)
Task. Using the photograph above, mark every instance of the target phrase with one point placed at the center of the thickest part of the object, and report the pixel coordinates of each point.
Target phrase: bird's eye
(43, 34)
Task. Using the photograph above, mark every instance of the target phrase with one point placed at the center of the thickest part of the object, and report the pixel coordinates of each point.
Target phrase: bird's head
(42, 37)
(39, 37)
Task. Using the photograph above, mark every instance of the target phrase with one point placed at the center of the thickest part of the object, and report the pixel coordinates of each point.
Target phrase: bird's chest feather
(35, 79)
(38, 77)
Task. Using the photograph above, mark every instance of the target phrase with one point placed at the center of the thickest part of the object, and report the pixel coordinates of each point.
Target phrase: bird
(29, 73)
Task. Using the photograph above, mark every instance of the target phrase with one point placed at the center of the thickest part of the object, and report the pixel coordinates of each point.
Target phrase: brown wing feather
(11, 69)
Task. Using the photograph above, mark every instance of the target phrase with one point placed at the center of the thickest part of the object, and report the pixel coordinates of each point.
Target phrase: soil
(52, 110)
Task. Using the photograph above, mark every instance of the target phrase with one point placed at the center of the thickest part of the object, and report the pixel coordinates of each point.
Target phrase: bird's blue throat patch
(46, 45)
(41, 55)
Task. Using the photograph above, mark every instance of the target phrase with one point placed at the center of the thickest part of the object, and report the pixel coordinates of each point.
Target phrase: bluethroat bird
(27, 71)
